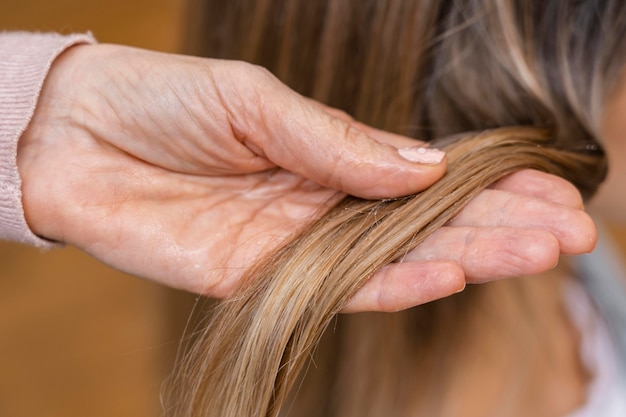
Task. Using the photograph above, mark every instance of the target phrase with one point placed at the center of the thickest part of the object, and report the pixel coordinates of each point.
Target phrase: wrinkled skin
(186, 170)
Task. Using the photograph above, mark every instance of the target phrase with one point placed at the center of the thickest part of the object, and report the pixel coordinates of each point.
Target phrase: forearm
(25, 59)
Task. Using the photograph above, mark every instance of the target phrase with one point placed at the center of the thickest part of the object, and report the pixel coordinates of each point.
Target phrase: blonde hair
(252, 353)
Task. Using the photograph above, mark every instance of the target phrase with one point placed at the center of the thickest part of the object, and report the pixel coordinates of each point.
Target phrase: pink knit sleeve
(25, 59)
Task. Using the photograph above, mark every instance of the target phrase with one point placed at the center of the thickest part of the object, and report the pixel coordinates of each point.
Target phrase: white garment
(607, 389)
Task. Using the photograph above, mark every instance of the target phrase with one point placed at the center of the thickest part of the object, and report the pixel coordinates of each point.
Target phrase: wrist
(25, 59)
(36, 161)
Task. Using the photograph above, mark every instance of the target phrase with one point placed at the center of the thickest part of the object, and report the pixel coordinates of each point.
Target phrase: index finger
(533, 183)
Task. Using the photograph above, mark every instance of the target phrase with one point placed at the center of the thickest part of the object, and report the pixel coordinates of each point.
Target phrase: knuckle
(538, 254)
(260, 76)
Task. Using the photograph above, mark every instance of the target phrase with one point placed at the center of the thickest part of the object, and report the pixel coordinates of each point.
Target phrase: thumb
(301, 136)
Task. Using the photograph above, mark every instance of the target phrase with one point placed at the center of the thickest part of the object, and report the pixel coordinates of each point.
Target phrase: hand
(519, 226)
(186, 170)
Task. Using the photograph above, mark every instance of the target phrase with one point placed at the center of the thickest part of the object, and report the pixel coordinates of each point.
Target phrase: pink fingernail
(422, 155)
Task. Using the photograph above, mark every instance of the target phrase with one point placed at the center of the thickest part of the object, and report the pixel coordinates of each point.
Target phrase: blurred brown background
(77, 338)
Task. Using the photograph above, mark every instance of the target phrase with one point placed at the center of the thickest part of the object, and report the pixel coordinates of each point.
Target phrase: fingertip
(582, 235)
(422, 155)
(400, 286)
(398, 172)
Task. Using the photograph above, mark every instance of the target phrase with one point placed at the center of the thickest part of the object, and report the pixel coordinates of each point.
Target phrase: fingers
(518, 227)
(333, 151)
(400, 286)
(489, 253)
(574, 229)
(538, 184)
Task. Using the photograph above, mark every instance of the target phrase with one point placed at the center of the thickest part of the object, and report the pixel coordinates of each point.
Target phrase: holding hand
(187, 170)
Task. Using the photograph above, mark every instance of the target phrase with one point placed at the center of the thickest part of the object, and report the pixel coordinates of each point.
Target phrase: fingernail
(422, 155)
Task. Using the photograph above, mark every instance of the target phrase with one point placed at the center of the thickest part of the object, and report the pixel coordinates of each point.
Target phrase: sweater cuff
(25, 59)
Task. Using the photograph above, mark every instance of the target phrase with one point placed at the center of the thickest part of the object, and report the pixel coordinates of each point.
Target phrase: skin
(561, 386)
(185, 171)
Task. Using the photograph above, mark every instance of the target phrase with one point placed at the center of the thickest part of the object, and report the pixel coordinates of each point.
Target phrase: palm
(178, 199)
(194, 232)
